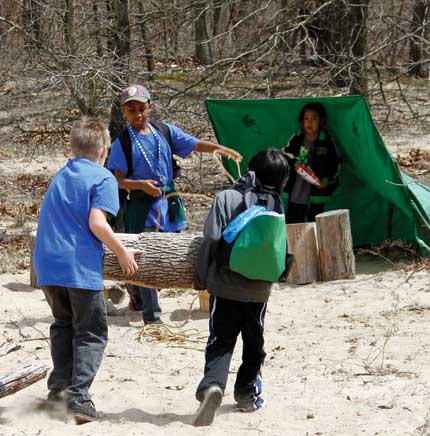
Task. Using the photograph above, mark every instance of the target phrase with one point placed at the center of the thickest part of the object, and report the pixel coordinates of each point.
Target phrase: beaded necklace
(136, 139)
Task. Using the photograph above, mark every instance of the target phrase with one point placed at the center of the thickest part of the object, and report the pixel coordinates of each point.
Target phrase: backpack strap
(125, 140)
(163, 128)
(262, 196)
(165, 131)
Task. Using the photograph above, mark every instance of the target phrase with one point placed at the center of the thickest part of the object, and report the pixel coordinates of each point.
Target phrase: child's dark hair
(271, 168)
(319, 109)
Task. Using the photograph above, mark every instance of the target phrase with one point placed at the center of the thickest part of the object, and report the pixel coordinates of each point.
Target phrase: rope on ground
(172, 333)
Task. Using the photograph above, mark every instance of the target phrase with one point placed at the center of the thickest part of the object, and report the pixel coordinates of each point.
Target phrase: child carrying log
(237, 303)
(68, 260)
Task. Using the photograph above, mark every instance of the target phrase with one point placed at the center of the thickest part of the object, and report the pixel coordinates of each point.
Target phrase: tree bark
(145, 38)
(69, 26)
(418, 30)
(335, 245)
(119, 42)
(21, 378)
(302, 243)
(97, 28)
(32, 15)
(168, 259)
(359, 13)
(203, 49)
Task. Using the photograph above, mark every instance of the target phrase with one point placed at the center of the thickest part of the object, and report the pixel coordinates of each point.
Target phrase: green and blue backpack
(254, 244)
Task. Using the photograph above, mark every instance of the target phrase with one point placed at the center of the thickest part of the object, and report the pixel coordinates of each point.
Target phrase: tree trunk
(145, 39)
(203, 52)
(302, 243)
(32, 15)
(119, 38)
(168, 259)
(69, 26)
(418, 30)
(359, 12)
(21, 378)
(335, 245)
(97, 28)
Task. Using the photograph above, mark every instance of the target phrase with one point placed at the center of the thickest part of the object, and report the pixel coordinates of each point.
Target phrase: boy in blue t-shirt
(68, 260)
(150, 180)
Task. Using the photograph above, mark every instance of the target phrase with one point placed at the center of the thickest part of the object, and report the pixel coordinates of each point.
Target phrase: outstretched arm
(210, 147)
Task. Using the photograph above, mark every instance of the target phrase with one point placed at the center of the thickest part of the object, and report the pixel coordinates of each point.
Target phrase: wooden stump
(168, 259)
(21, 378)
(335, 245)
(302, 243)
(204, 301)
(33, 282)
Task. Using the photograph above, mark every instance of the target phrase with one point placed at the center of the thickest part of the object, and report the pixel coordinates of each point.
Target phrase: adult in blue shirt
(147, 207)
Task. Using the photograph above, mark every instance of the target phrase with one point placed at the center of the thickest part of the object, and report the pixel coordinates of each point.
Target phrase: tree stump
(21, 378)
(302, 243)
(335, 245)
(33, 282)
(168, 259)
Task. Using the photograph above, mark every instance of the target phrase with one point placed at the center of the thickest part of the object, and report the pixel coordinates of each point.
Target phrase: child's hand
(127, 262)
(233, 154)
(149, 187)
(303, 156)
(230, 153)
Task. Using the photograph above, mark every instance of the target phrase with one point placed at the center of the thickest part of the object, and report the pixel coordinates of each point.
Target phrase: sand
(349, 357)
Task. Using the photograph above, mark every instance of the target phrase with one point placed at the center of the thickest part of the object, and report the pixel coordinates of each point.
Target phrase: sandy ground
(343, 358)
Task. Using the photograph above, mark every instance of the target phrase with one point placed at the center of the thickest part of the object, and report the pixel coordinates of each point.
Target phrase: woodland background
(348, 357)
(64, 58)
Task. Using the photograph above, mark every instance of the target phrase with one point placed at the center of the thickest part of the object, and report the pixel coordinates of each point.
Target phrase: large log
(168, 259)
(302, 243)
(21, 378)
(335, 245)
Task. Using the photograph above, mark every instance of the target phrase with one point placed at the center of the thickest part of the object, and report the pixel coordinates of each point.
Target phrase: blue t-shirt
(160, 170)
(67, 253)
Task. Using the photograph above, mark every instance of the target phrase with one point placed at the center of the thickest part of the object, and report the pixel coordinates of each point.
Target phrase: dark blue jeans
(147, 300)
(78, 339)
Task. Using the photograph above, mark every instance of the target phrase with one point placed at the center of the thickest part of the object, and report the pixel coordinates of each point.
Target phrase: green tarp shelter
(383, 202)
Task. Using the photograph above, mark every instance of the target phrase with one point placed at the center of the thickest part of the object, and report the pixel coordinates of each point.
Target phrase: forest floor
(343, 358)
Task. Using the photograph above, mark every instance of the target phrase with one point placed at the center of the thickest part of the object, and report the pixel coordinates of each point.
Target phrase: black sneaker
(212, 398)
(154, 321)
(82, 411)
(55, 396)
(250, 405)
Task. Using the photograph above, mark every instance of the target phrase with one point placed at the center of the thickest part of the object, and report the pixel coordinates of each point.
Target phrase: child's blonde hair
(88, 136)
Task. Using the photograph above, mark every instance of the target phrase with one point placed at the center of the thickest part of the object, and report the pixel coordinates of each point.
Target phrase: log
(302, 243)
(33, 282)
(335, 245)
(168, 259)
(21, 378)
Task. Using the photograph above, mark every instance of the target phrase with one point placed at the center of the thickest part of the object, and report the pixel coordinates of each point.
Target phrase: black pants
(78, 338)
(296, 213)
(228, 318)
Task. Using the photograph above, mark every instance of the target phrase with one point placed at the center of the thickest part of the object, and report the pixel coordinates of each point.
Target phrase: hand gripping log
(168, 259)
